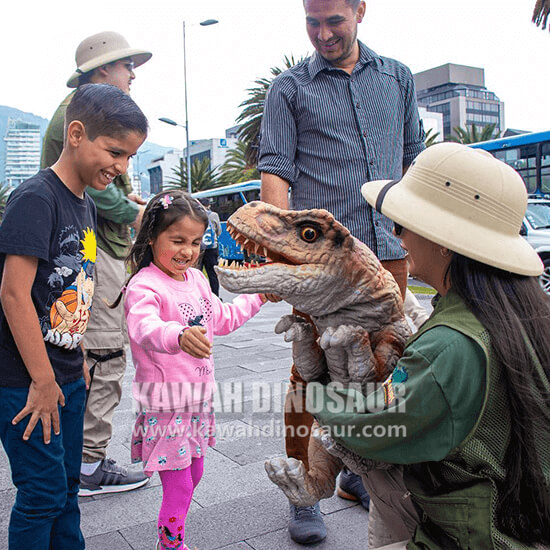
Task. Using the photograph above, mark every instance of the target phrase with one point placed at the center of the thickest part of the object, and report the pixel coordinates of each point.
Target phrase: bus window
(545, 168)
(252, 195)
(509, 156)
(524, 160)
(527, 153)
(225, 205)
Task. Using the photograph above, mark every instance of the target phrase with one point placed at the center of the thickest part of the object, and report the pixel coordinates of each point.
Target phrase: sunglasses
(397, 229)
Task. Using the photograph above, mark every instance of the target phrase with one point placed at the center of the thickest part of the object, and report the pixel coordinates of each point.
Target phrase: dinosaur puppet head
(313, 262)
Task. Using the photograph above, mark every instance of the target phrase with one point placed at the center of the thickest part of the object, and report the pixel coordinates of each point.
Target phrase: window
(545, 168)
(538, 215)
(225, 205)
(524, 160)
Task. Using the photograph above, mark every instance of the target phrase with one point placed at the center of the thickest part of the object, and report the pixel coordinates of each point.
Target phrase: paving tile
(232, 372)
(108, 541)
(346, 529)
(260, 366)
(247, 444)
(224, 481)
(237, 546)
(242, 344)
(7, 498)
(117, 511)
(224, 524)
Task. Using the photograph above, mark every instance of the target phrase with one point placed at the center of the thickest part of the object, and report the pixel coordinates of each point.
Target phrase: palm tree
(541, 13)
(202, 176)
(251, 115)
(472, 135)
(430, 138)
(5, 191)
(236, 169)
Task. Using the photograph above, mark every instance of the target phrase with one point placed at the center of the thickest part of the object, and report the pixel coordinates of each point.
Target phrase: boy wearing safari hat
(104, 58)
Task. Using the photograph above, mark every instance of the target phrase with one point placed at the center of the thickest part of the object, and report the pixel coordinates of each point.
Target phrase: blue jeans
(45, 514)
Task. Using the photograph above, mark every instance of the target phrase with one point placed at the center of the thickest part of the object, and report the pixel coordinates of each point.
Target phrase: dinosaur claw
(289, 475)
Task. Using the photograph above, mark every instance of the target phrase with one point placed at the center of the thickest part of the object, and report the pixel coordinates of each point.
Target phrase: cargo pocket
(443, 520)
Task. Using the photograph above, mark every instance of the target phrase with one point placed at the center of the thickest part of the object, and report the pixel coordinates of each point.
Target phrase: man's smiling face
(332, 28)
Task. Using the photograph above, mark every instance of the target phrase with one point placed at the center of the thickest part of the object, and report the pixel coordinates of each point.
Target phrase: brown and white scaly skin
(316, 265)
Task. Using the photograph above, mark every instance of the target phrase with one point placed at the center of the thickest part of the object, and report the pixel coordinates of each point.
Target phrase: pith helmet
(102, 48)
(463, 199)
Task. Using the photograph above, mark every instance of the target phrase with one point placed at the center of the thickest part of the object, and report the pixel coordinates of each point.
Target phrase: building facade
(433, 122)
(458, 92)
(161, 169)
(213, 149)
(22, 143)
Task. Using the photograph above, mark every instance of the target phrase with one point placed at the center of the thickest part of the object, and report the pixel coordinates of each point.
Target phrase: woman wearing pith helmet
(474, 381)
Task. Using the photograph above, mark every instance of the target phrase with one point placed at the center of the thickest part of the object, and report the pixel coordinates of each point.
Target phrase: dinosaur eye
(309, 234)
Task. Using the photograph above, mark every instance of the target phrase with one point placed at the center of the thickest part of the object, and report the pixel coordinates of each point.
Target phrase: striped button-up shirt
(327, 132)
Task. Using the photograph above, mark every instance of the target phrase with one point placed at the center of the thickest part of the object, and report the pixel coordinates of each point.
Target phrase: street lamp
(204, 23)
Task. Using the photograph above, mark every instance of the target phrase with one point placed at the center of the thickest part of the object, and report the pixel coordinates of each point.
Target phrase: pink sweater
(157, 309)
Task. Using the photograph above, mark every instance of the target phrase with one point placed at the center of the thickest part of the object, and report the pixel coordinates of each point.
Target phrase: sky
(38, 41)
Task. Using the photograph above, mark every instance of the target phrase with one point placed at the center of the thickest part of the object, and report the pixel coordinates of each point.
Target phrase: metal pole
(188, 161)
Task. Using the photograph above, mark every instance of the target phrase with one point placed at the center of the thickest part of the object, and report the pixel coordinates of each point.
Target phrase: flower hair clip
(166, 201)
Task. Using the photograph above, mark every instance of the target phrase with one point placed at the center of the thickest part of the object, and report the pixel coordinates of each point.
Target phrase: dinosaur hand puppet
(356, 330)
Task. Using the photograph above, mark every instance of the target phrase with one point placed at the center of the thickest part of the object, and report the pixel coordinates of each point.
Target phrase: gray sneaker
(306, 525)
(109, 477)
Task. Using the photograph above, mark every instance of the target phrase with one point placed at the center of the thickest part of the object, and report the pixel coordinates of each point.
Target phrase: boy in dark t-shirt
(47, 256)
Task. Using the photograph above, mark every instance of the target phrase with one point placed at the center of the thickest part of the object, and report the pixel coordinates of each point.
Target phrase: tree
(236, 169)
(541, 13)
(5, 191)
(202, 176)
(430, 138)
(472, 135)
(251, 115)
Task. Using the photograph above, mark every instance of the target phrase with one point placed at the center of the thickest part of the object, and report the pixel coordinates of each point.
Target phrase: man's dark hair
(352, 3)
(105, 110)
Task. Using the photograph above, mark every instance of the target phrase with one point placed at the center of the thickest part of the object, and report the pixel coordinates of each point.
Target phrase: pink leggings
(177, 492)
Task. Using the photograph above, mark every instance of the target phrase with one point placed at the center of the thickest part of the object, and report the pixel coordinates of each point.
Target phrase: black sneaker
(306, 525)
(109, 477)
(350, 487)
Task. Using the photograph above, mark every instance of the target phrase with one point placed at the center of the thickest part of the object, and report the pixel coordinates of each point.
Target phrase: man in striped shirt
(340, 118)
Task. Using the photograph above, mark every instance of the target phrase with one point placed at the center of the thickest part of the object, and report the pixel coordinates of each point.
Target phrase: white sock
(89, 468)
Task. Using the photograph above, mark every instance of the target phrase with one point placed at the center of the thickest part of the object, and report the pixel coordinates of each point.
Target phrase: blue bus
(529, 154)
(225, 200)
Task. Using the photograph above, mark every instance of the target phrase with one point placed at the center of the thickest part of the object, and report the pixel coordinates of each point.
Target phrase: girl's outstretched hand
(194, 342)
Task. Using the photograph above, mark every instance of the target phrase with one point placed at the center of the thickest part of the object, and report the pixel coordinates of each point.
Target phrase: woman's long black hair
(516, 313)
(163, 210)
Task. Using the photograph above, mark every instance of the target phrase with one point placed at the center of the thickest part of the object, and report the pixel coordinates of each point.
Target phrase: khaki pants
(295, 400)
(393, 517)
(106, 333)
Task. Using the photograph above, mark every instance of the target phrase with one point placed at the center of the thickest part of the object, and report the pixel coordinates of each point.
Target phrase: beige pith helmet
(463, 199)
(102, 48)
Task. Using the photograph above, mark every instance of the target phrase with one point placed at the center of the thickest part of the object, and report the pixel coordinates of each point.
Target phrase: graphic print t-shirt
(44, 219)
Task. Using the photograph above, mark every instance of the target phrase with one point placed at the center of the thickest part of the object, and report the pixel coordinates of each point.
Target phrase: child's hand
(270, 298)
(42, 405)
(194, 342)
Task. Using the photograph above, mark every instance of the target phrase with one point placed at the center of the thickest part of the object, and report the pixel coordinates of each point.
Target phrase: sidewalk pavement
(235, 506)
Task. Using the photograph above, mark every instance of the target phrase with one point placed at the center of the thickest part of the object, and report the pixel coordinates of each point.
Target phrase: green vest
(457, 496)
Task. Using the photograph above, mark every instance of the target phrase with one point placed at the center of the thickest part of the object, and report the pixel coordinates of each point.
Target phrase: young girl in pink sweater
(172, 316)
